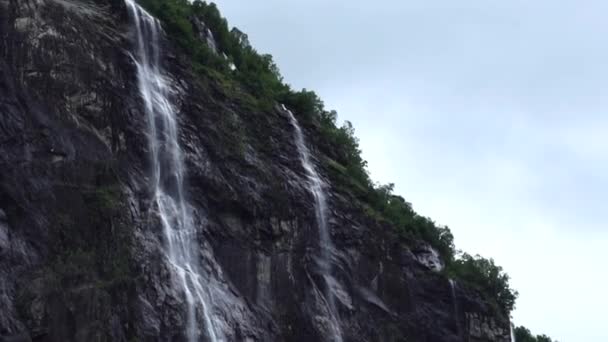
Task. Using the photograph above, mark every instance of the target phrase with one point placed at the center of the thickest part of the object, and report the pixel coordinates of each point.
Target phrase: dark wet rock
(80, 242)
(484, 329)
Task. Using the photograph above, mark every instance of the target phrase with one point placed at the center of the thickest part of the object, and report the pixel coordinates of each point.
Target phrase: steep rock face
(80, 243)
(63, 235)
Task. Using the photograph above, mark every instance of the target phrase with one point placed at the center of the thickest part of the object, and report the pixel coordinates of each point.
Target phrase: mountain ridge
(80, 243)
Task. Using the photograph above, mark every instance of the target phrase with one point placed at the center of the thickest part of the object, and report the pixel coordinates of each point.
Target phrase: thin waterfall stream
(167, 176)
(512, 332)
(455, 304)
(316, 187)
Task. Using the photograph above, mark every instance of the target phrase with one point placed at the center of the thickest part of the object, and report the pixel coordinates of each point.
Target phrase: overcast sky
(489, 116)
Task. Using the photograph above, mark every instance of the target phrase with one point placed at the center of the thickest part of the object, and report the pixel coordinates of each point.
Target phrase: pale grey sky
(489, 116)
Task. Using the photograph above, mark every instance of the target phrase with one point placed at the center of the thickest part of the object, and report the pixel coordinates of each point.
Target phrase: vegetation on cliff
(260, 79)
(522, 334)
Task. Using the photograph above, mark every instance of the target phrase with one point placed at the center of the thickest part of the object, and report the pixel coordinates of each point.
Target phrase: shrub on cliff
(522, 334)
(487, 277)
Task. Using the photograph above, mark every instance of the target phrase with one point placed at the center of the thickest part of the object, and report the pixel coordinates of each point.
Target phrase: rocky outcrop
(80, 246)
(484, 329)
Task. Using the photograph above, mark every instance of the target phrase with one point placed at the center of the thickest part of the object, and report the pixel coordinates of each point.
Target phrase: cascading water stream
(512, 332)
(316, 185)
(167, 178)
(455, 303)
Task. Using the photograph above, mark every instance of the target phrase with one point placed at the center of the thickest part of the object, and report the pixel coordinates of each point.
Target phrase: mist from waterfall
(316, 187)
(167, 176)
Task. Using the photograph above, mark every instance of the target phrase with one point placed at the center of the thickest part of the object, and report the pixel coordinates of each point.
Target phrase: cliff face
(81, 248)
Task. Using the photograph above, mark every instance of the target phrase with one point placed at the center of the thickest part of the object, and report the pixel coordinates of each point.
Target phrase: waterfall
(512, 332)
(167, 176)
(316, 187)
(456, 312)
(211, 41)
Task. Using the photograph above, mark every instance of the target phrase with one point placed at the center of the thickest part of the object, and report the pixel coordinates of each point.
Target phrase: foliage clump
(522, 334)
(487, 277)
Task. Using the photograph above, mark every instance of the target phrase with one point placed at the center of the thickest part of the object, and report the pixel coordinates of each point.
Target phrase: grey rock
(429, 257)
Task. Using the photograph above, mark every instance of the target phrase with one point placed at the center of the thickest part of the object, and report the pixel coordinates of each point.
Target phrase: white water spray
(316, 185)
(168, 175)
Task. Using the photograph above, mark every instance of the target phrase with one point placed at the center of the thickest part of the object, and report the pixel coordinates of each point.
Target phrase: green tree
(487, 277)
(522, 334)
